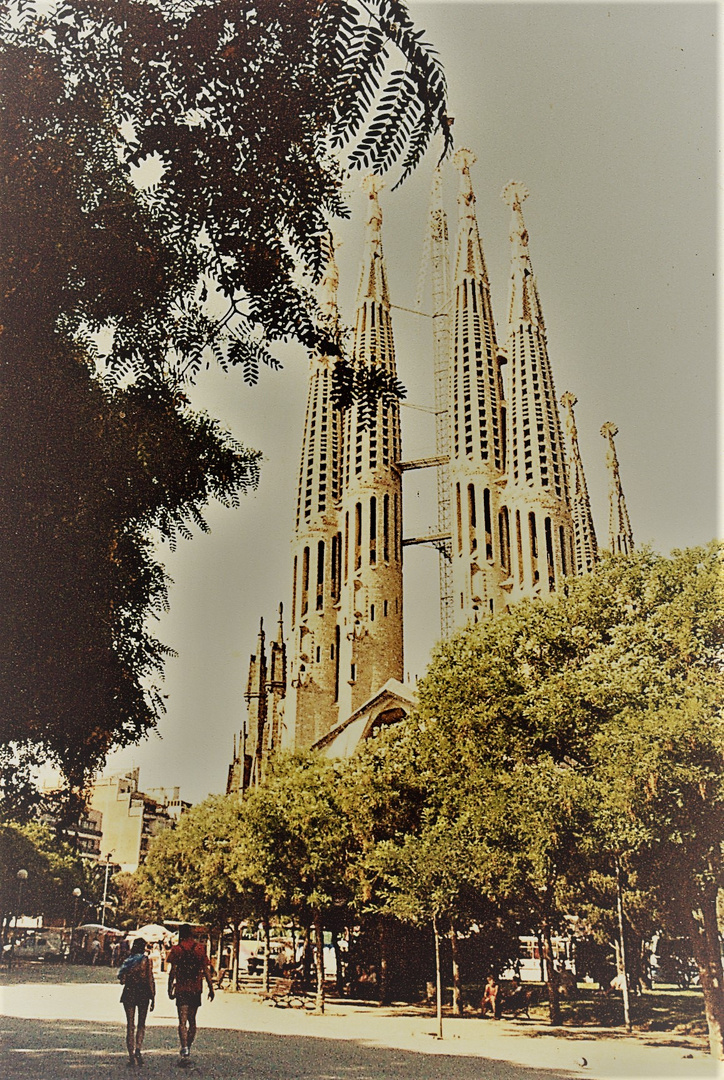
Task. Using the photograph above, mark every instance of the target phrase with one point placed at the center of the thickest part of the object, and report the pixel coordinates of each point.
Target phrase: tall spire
(470, 260)
(373, 275)
(316, 549)
(480, 544)
(620, 536)
(537, 472)
(585, 547)
(524, 301)
(370, 611)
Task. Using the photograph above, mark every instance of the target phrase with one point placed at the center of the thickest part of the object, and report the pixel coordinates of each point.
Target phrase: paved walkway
(53, 1030)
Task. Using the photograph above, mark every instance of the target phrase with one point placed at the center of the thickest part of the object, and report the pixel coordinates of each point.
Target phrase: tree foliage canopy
(169, 177)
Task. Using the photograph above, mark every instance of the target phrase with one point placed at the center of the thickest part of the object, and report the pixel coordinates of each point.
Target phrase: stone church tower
(515, 517)
(480, 547)
(313, 693)
(370, 615)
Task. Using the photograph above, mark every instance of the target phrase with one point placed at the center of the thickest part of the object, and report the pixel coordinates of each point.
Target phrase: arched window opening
(305, 581)
(533, 531)
(488, 525)
(504, 538)
(472, 519)
(373, 531)
(550, 561)
(320, 575)
(357, 535)
(386, 528)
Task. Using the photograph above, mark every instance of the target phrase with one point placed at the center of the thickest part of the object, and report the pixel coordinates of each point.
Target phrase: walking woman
(139, 992)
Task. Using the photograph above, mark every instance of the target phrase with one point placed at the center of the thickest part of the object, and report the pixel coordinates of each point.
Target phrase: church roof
(386, 706)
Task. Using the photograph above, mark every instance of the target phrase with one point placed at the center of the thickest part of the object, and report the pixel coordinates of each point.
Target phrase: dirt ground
(64, 1023)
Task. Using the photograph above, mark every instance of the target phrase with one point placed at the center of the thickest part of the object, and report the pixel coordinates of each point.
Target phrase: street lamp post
(105, 889)
(22, 876)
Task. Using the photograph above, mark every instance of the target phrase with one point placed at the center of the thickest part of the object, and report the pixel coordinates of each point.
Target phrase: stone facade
(515, 516)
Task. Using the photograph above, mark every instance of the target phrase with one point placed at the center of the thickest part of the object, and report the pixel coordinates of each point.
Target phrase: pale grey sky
(607, 113)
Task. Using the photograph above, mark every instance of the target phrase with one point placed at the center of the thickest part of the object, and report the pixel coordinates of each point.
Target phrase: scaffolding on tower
(435, 256)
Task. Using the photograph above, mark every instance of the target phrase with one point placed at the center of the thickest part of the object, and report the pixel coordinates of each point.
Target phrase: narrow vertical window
(334, 568)
(386, 528)
(346, 544)
(305, 581)
(533, 531)
(357, 535)
(459, 518)
(488, 525)
(564, 553)
(397, 529)
(294, 593)
(320, 575)
(472, 518)
(519, 546)
(504, 538)
(336, 662)
(550, 562)
(372, 612)
(373, 531)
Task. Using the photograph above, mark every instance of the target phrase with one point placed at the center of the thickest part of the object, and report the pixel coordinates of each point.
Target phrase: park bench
(288, 993)
(518, 1002)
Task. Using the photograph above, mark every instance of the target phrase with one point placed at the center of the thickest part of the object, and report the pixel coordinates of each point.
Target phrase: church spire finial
(470, 261)
(330, 283)
(619, 525)
(524, 302)
(585, 547)
(373, 279)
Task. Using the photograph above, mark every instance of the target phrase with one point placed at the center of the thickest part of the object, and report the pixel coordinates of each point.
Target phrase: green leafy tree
(189, 869)
(300, 844)
(168, 179)
(134, 906)
(602, 708)
(53, 870)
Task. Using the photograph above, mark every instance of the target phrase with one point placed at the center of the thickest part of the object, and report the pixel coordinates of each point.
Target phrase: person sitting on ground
(189, 966)
(491, 997)
(139, 993)
(515, 998)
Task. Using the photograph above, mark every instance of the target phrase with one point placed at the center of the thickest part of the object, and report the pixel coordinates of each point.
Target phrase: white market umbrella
(152, 932)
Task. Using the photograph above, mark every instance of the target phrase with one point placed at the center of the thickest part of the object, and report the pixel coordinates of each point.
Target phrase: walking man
(189, 966)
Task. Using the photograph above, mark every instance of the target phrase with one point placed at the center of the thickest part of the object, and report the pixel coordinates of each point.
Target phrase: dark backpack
(136, 975)
(189, 965)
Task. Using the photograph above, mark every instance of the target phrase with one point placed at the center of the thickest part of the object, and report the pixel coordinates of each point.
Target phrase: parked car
(42, 945)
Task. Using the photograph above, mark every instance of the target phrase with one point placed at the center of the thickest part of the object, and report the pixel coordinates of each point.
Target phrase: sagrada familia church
(514, 516)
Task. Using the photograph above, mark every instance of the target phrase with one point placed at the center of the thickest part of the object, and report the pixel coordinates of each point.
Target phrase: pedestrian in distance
(95, 952)
(189, 966)
(491, 997)
(139, 994)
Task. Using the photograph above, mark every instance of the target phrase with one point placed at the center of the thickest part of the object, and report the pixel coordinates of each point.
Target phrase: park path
(55, 1030)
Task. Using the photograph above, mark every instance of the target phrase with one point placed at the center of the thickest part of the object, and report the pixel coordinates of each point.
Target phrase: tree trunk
(438, 978)
(267, 945)
(235, 958)
(705, 946)
(554, 999)
(621, 951)
(219, 950)
(457, 1000)
(384, 961)
(319, 959)
(338, 963)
